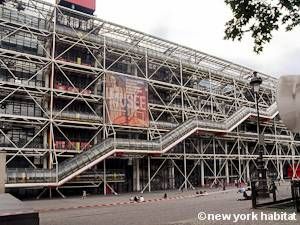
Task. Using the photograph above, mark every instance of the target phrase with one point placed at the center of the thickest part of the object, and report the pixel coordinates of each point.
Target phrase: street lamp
(262, 188)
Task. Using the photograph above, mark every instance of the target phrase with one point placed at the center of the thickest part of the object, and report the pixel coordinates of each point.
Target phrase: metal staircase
(78, 164)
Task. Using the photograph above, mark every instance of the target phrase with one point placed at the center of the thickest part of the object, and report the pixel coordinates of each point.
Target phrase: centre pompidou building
(86, 103)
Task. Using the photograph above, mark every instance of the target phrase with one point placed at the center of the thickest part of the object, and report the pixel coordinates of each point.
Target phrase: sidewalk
(48, 205)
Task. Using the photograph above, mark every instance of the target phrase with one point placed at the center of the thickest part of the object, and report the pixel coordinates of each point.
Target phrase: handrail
(76, 165)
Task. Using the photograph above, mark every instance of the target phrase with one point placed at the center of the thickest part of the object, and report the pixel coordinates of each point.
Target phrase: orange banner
(127, 101)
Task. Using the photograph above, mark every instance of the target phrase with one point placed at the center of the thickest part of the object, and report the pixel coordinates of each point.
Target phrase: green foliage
(260, 18)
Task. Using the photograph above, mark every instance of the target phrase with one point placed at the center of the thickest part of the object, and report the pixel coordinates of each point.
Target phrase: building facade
(89, 103)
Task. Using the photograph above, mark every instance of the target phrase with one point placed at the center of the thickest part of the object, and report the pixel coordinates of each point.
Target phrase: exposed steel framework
(54, 62)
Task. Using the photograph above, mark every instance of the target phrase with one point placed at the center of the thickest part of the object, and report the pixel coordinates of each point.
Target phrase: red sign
(89, 4)
(127, 101)
(291, 172)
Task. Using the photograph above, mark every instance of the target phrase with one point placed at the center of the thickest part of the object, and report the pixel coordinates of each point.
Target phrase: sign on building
(127, 101)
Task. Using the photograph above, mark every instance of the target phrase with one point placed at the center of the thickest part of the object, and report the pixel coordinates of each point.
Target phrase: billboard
(88, 4)
(127, 101)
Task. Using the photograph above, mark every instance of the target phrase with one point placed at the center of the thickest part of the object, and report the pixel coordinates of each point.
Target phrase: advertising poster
(127, 101)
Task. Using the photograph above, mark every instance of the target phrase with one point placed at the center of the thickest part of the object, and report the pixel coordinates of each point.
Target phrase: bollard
(253, 195)
(2, 171)
(274, 196)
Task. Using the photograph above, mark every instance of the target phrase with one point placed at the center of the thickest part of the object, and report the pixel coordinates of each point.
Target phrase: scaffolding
(54, 113)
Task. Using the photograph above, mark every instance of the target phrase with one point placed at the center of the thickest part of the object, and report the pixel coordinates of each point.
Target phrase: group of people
(137, 199)
(246, 192)
(201, 193)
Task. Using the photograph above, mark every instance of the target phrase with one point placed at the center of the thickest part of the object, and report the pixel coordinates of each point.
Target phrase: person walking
(273, 189)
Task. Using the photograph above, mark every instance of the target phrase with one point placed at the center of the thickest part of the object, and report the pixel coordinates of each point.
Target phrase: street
(182, 211)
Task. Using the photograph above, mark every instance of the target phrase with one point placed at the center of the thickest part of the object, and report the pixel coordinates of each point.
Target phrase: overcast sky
(200, 24)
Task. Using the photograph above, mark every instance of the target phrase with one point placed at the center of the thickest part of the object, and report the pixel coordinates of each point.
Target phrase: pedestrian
(215, 184)
(246, 196)
(136, 198)
(141, 199)
(84, 194)
(273, 189)
(165, 196)
(241, 190)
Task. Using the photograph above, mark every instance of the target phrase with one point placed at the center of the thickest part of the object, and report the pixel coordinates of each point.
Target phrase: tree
(260, 18)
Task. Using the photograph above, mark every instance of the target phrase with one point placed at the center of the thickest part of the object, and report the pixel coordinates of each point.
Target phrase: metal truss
(56, 59)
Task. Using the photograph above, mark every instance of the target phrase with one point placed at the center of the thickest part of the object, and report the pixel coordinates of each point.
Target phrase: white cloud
(200, 24)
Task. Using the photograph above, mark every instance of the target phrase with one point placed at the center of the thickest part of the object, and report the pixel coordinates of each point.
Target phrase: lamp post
(262, 188)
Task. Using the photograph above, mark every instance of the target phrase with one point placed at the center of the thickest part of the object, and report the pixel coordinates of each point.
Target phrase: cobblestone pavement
(182, 211)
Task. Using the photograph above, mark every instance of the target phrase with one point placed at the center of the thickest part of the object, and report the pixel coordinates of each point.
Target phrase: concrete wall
(2, 172)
